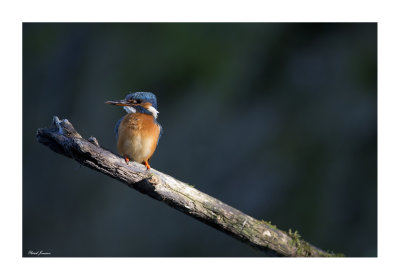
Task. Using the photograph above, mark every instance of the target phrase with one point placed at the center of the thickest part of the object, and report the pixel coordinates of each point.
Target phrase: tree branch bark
(62, 138)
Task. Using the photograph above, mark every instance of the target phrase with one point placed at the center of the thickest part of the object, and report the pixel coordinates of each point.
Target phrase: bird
(138, 132)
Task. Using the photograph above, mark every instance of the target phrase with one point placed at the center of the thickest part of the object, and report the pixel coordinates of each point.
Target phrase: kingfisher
(138, 132)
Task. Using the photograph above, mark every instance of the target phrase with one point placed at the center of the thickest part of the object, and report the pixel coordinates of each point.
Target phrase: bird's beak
(119, 103)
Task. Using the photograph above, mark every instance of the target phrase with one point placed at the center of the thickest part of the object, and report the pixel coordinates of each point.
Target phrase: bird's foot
(126, 159)
(147, 164)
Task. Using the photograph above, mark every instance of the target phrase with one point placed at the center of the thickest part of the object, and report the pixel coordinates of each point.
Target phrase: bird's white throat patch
(129, 109)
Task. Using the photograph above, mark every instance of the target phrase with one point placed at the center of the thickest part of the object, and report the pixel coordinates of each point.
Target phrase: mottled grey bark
(63, 139)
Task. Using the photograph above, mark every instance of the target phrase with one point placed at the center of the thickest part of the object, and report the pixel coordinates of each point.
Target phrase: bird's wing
(117, 126)
(161, 132)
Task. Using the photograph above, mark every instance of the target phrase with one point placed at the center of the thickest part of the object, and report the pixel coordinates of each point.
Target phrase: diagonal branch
(63, 139)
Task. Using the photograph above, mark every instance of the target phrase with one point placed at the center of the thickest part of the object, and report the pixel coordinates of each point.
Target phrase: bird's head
(142, 102)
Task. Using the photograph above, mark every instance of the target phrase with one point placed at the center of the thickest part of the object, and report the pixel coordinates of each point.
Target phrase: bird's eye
(134, 101)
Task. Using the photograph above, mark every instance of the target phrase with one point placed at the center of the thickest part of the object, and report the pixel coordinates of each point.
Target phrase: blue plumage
(117, 126)
(145, 96)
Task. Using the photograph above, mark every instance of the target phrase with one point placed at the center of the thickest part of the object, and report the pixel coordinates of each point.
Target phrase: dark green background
(278, 120)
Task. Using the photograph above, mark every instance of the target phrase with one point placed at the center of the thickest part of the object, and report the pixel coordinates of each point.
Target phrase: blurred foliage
(278, 120)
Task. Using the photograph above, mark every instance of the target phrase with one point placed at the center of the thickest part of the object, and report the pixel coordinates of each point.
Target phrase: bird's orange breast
(138, 136)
